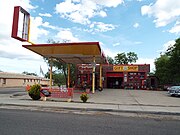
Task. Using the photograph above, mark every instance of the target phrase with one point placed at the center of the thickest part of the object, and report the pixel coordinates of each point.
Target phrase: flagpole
(40, 71)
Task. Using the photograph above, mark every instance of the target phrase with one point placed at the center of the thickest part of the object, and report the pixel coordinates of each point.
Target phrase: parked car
(174, 90)
(166, 86)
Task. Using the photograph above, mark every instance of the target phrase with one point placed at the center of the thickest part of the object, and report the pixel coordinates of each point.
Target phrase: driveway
(116, 96)
(134, 97)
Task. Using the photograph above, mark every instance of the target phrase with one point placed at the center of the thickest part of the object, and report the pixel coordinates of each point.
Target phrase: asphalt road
(11, 90)
(21, 122)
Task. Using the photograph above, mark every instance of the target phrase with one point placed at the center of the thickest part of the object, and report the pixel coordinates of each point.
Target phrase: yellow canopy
(75, 53)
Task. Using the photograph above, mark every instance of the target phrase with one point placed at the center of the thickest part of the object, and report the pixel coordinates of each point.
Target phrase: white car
(174, 90)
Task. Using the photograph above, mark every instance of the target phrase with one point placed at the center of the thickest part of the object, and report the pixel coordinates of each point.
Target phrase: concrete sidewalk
(109, 100)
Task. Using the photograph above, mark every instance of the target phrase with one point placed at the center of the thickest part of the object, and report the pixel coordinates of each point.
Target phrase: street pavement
(109, 100)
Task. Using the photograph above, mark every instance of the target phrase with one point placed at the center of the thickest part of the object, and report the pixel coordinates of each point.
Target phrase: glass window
(4, 81)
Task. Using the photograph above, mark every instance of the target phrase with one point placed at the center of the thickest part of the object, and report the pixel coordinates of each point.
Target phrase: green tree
(162, 69)
(58, 78)
(110, 60)
(123, 58)
(132, 57)
(174, 61)
(61, 67)
(167, 66)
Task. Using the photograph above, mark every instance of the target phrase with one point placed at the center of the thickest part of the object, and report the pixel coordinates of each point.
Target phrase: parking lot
(117, 96)
(133, 97)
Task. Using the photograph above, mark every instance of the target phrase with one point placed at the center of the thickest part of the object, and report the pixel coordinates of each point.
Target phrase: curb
(43, 108)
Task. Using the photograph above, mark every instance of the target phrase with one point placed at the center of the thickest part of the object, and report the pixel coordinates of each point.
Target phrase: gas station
(69, 53)
(91, 64)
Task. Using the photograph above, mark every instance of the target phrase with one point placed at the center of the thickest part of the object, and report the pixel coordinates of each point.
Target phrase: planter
(34, 92)
(35, 97)
(84, 101)
(84, 97)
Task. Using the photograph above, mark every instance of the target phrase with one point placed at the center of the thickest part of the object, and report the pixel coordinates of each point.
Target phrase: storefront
(132, 76)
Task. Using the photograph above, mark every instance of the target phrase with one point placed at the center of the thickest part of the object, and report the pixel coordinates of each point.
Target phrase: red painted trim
(65, 44)
(15, 22)
(17, 10)
(126, 65)
(114, 74)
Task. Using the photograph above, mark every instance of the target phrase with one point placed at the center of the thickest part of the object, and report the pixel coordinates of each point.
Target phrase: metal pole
(100, 76)
(93, 75)
(50, 73)
(29, 23)
(68, 75)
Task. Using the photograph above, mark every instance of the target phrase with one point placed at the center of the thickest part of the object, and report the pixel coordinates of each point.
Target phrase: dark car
(174, 90)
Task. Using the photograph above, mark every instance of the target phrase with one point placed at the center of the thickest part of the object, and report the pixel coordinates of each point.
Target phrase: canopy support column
(68, 79)
(93, 75)
(100, 76)
(50, 73)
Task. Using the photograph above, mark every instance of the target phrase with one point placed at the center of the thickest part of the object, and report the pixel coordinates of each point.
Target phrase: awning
(75, 53)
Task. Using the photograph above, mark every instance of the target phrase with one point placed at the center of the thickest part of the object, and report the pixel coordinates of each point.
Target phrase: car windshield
(175, 87)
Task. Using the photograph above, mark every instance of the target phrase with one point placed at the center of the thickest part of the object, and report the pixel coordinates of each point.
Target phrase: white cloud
(45, 14)
(36, 30)
(102, 27)
(102, 14)
(136, 25)
(116, 44)
(76, 0)
(47, 25)
(82, 11)
(109, 3)
(137, 43)
(78, 18)
(6, 14)
(110, 53)
(66, 35)
(13, 56)
(147, 61)
(164, 11)
(176, 28)
(19, 66)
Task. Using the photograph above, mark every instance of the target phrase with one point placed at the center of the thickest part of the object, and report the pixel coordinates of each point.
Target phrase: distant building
(20, 80)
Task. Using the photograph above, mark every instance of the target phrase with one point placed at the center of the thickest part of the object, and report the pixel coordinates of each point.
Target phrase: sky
(146, 27)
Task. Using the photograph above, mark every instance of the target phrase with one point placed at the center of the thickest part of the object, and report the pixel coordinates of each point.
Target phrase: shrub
(34, 92)
(84, 97)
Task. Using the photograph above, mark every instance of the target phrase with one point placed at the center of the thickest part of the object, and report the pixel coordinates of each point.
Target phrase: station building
(132, 76)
